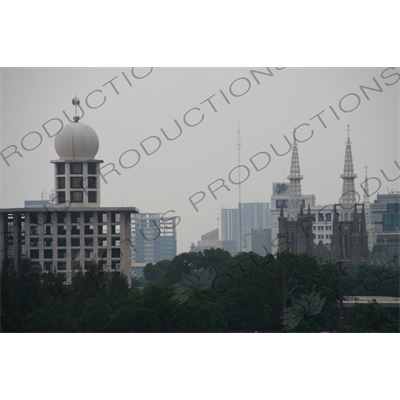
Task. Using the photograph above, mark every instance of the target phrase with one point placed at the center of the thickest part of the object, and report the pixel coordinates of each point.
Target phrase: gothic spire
(363, 222)
(295, 197)
(355, 220)
(348, 199)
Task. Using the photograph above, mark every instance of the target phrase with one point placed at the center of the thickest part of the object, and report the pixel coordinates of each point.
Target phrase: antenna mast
(239, 145)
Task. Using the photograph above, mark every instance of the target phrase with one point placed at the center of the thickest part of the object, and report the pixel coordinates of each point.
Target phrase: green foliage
(208, 291)
(95, 315)
(371, 317)
(370, 280)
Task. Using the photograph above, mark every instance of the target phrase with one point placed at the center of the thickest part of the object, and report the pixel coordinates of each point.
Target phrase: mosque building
(75, 230)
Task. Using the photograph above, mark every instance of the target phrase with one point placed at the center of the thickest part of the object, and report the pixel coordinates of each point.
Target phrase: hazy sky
(165, 180)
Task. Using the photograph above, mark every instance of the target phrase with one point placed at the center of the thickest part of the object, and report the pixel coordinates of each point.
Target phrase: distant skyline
(160, 170)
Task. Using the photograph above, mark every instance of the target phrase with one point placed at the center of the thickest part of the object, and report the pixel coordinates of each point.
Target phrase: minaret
(76, 172)
(295, 198)
(348, 199)
(368, 217)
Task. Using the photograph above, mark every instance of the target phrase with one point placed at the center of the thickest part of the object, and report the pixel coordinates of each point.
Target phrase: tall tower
(295, 201)
(368, 217)
(348, 198)
(76, 172)
(295, 233)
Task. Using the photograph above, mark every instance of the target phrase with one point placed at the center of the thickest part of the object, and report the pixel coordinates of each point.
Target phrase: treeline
(210, 291)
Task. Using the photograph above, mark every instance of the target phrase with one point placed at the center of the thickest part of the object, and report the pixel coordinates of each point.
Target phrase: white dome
(77, 141)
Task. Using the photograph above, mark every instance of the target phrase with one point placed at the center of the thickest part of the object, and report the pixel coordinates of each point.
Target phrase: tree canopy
(208, 291)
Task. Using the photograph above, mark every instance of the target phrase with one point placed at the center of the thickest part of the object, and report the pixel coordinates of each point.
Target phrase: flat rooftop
(384, 301)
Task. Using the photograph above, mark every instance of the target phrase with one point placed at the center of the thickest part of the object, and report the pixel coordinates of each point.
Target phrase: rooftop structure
(74, 231)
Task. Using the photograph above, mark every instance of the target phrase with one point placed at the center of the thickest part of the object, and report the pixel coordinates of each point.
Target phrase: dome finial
(76, 102)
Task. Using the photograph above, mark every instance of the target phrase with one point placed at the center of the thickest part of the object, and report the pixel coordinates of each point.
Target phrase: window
(91, 182)
(75, 242)
(60, 197)
(328, 217)
(48, 254)
(61, 266)
(75, 217)
(61, 217)
(61, 183)
(48, 266)
(88, 229)
(76, 197)
(102, 242)
(76, 182)
(34, 254)
(92, 170)
(346, 246)
(34, 218)
(320, 217)
(89, 253)
(61, 254)
(75, 230)
(102, 229)
(60, 168)
(102, 253)
(88, 217)
(115, 253)
(92, 197)
(76, 168)
(75, 254)
(47, 218)
(102, 217)
(115, 217)
(61, 242)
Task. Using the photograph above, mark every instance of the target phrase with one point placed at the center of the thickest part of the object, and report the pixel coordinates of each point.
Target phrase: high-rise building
(237, 224)
(75, 230)
(385, 212)
(153, 238)
(211, 240)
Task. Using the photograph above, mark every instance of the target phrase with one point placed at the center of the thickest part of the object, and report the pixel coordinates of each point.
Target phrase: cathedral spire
(295, 197)
(348, 198)
(363, 222)
(355, 220)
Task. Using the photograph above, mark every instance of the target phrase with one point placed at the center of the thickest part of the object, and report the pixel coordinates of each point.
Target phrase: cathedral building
(349, 239)
(75, 230)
